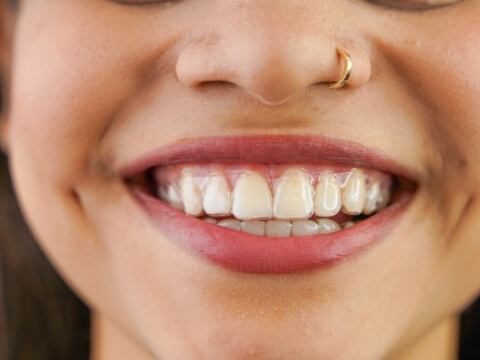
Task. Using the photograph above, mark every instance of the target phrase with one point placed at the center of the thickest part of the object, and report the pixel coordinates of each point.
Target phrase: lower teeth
(282, 228)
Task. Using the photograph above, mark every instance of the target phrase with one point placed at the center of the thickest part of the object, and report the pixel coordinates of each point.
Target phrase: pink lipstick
(281, 227)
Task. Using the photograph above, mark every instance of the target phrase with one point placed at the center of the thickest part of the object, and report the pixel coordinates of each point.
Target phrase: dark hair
(41, 318)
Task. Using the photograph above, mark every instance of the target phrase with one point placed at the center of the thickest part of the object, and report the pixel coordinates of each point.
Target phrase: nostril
(215, 84)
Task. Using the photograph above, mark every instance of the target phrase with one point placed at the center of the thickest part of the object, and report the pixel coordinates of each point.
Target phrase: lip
(281, 149)
(248, 253)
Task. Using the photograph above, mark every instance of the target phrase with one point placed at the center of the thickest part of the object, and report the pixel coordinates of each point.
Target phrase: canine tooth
(327, 226)
(217, 199)
(252, 198)
(233, 224)
(293, 197)
(171, 195)
(278, 228)
(328, 199)
(174, 197)
(353, 193)
(304, 228)
(191, 196)
(372, 199)
(255, 227)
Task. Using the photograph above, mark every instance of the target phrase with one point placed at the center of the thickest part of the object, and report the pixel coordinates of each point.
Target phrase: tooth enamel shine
(252, 198)
(191, 196)
(217, 199)
(171, 195)
(327, 196)
(353, 193)
(372, 199)
(304, 228)
(327, 226)
(293, 196)
(279, 228)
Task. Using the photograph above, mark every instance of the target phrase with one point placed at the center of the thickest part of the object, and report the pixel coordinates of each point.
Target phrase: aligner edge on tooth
(296, 196)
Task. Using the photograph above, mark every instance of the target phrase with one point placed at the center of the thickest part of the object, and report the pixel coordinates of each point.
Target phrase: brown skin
(96, 84)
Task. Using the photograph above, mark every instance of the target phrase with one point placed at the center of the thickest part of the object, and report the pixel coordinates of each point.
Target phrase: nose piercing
(347, 70)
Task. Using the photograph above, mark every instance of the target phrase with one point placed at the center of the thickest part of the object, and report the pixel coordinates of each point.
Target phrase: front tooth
(233, 224)
(372, 199)
(252, 198)
(304, 228)
(191, 196)
(254, 227)
(278, 228)
(327, 226)
(293, 196)
(353, 193)
(217, 199)
(327, 196)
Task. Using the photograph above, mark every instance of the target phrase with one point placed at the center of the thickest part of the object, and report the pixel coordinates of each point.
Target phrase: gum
(171, 174)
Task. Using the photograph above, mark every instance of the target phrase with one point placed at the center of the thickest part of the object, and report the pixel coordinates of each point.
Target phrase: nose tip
(270, 66)
(282, 80)
(276, 75)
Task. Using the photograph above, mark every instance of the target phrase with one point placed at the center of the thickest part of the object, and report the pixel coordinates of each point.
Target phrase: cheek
(442, 70)
(74, 74)
(448, 74)
(436, 57)
(74, 70)
(436, 60)
(461, 89)
(440, 66)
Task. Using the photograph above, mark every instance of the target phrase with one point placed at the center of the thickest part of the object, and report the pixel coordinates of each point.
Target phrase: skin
(96, 84)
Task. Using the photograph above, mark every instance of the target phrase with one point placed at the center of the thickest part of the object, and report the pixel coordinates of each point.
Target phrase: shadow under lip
(242, 252)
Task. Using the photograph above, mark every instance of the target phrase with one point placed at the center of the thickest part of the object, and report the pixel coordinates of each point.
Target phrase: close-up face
(191, 172)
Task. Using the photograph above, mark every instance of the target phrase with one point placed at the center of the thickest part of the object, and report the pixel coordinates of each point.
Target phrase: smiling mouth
(270, 204)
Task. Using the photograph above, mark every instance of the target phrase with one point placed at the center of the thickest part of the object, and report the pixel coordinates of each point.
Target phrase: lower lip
(242, 252)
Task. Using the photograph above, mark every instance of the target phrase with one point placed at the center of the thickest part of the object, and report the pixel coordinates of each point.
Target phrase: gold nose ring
(347, 70)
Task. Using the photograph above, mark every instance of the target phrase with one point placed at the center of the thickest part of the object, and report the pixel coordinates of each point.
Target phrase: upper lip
(279, 149)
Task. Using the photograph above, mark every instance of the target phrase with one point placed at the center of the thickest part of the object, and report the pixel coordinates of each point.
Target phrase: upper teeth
(252, 198)
(327, 196)
(375, 198)
(191, 195)
(353, 193)
(171, 195)
(293, 196)
(296, 195)
(217, 199)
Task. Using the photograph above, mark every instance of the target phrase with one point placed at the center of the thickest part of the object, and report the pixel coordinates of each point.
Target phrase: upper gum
(171, 174)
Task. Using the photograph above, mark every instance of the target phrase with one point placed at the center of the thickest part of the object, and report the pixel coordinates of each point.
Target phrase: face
(123, 112)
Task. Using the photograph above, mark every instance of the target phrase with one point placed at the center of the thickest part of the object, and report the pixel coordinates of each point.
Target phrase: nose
(270, 55)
